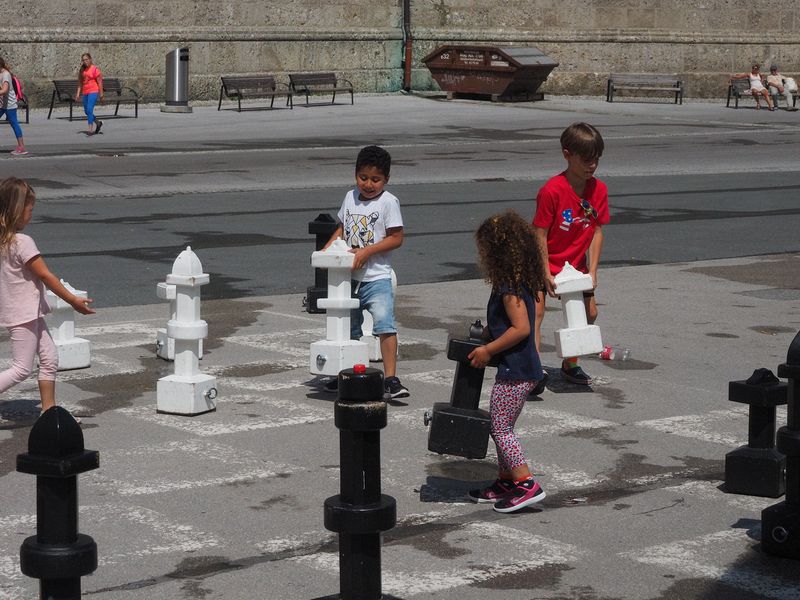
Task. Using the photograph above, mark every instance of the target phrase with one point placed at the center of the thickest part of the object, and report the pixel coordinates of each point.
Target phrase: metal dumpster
(502, 72)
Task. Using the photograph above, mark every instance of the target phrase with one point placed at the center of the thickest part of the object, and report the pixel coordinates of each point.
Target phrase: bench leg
(351, 98)
(52, 102)
(70, 110)
(116, 109)
(306, 98)
(219, 106)
(239, 98)
(272, 101)
(333, 99)
(136, 109)
(27, 114)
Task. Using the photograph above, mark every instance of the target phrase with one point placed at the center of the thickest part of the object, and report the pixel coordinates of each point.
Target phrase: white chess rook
(165, 345)
(187, 391)
(73, 352)
(578, 338)
(337, 351)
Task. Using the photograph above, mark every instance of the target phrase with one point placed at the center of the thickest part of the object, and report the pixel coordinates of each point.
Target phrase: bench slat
(645, 82)
(239, 87)
(319, 83)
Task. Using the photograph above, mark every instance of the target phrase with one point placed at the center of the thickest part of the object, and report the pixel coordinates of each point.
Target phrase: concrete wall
(362, 41)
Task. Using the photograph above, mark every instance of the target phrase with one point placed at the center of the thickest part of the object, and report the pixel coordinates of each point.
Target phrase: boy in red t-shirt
(571, 209)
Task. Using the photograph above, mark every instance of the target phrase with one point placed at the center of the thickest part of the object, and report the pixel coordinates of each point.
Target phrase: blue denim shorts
(376, 297)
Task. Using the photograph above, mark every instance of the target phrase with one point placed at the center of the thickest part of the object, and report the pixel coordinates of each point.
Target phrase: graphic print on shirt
(568, 218)
(360, 229)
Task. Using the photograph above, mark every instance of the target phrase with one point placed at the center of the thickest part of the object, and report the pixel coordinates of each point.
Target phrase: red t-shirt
(89, 79)
(570, 228)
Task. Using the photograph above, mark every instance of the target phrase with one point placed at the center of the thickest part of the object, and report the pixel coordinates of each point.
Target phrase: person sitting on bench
(756, 85)
(777, 85)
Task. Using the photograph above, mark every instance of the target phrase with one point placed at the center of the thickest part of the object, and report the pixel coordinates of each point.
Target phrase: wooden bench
(319, 83)
(253, 86)
(113, 91)
(739, 87)
(645, 82)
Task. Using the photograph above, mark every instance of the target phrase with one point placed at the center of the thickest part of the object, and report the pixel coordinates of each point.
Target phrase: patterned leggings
(508, 398)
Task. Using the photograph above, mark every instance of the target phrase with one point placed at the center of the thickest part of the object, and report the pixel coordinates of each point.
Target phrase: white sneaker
(19, 152)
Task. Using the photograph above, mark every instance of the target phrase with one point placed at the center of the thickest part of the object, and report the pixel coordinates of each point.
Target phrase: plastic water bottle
(615, 353)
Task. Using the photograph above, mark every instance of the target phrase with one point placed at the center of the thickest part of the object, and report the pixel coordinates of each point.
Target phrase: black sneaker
(97, 127)
(494, 493)
(332, 386)
(542, 385)
(575, 375)
(392, 388)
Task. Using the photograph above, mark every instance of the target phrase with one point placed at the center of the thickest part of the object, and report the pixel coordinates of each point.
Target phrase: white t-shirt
(8, 100)
(755, 82)
(365, 223)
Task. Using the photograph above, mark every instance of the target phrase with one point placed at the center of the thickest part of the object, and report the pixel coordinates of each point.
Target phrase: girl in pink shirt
(90, 88)
(23, 277)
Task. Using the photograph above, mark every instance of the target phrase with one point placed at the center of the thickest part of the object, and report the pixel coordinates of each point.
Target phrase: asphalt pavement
(229, 504)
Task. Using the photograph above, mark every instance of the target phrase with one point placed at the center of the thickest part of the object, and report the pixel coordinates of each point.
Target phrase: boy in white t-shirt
(371, 224)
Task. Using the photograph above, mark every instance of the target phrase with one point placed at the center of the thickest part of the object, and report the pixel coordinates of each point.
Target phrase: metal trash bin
(177, 82)
(501, 72)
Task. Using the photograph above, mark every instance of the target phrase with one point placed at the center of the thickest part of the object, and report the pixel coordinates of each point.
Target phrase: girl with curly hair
(512, 264)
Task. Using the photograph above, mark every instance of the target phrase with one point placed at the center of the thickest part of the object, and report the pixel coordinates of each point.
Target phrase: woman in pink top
(23, 277)
(90, 86)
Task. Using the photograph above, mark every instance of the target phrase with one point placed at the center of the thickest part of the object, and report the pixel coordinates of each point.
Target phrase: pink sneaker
(524, 494)
(19, 152)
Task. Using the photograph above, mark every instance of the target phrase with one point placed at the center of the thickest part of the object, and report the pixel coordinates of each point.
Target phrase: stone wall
(362, 41)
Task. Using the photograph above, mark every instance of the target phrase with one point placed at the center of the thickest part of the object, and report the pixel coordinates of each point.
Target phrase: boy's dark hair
(583, 140)
(374, 156)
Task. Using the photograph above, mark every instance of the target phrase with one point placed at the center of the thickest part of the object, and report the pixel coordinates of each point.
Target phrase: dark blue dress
(520, 362)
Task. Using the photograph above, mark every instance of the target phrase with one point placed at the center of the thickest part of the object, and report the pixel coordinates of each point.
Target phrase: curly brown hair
(509, 253)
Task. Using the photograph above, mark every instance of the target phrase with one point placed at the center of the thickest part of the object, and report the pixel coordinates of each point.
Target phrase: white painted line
(440, 377)
(126, 343)
(126, 533)
(726, 427)
(693, 557)
(101, 366)
(548, 422)
(122, 328)
(288, 343)
(157, 534)
(514, 551)
(305, 539)
(708, 490)
(283, 413)
(557, 478)
(265, 386)
(199, 457)
(281, 365)
(289, 316)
